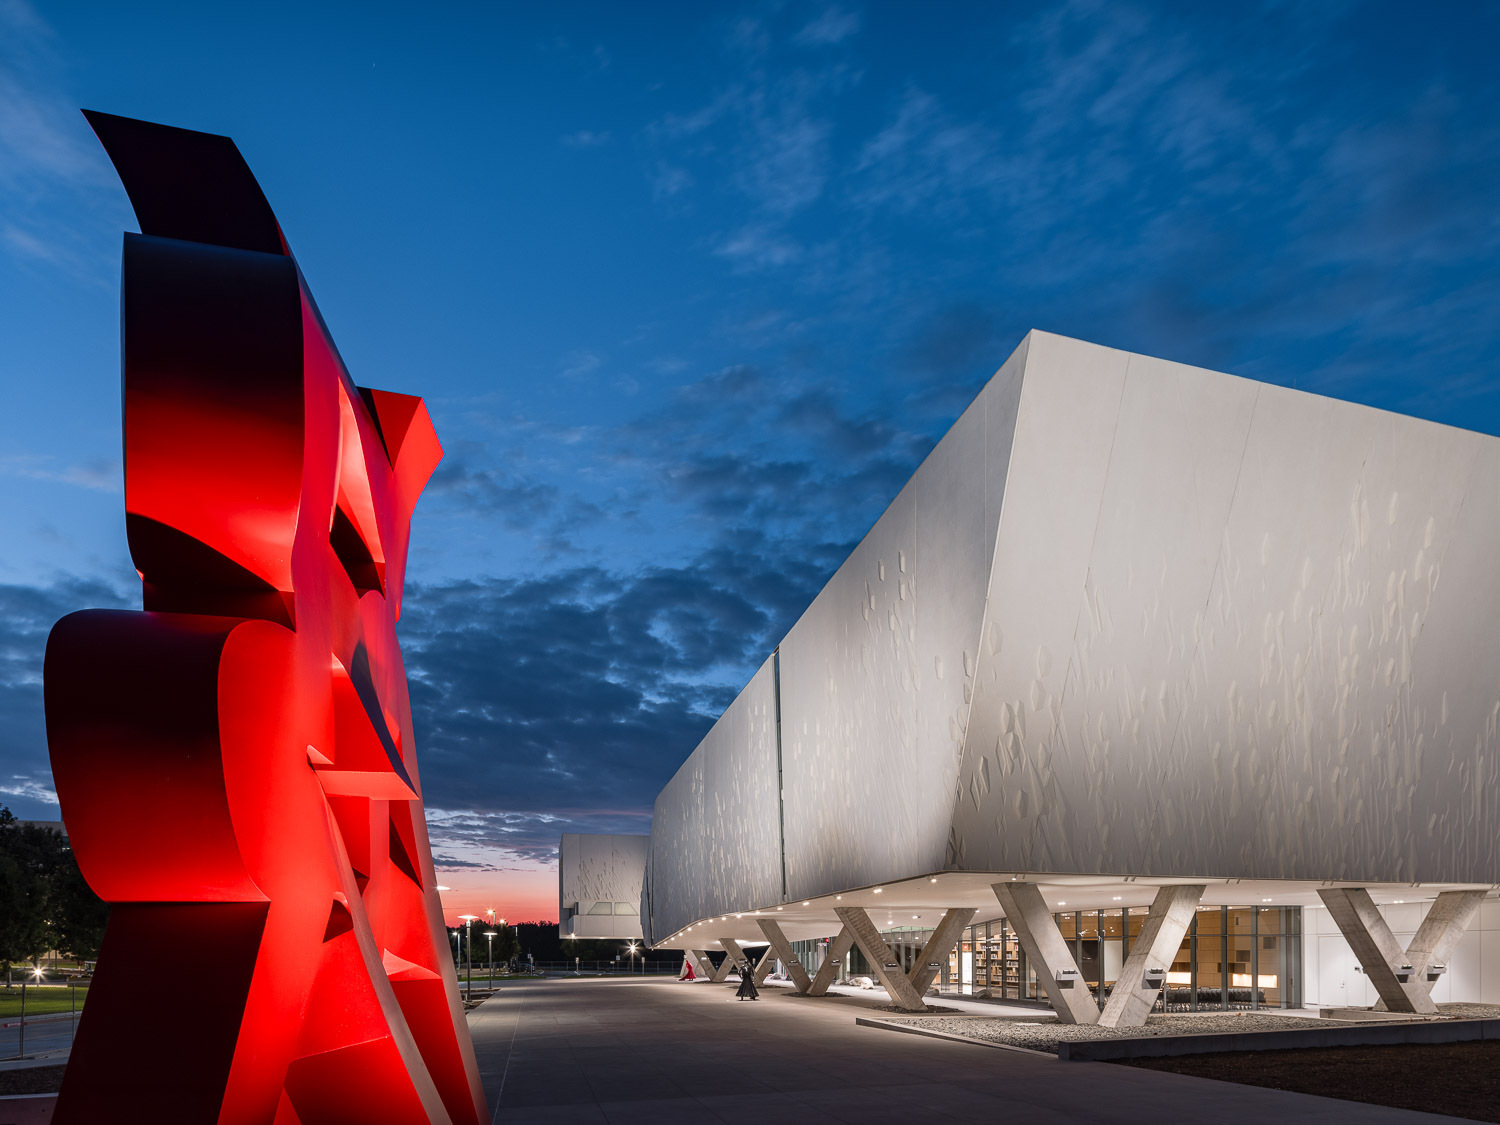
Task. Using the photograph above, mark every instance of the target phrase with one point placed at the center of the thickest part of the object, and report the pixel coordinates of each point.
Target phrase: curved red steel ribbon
(236, 763)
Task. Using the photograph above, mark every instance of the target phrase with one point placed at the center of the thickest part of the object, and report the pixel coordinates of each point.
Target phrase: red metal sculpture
(236, 764)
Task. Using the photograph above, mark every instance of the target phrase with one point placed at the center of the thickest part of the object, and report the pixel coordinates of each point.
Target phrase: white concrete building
(1140, 649)
(599, 885)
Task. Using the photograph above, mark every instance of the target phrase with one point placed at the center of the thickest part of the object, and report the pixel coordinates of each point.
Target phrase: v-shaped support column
(944, 937)
(1043, 942)
(1152, 952)
(828, 972)
(1403, 979)
(701, 964)
(719, 975)
(781, 948)
(764, 966)
(885, 963)
(734, 959)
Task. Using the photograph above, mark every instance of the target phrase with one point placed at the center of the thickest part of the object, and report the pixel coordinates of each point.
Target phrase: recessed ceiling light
(877, 890)
(807, 904)
(1062, 904)
(1117, 898)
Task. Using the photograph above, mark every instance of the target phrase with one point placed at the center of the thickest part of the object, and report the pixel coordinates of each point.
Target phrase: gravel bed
(1471, 1011)
(930, 1009)
(1045, 1033)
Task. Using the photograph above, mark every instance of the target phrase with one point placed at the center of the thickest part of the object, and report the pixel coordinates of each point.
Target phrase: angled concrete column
(1039, 936)
(1431, 948)
(1447, 919)
(782, 948)
(735, 956)
(702, 966)
(935, 953)
(885, 963)
(701, 963)
(721, 974)
(828, 971)
(1160, 938)
(1402, 986)
(764, 966)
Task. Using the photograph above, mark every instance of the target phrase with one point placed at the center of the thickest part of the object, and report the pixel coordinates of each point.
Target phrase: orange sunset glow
(518, 895)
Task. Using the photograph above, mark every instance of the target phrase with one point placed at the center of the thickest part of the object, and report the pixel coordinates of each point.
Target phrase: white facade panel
(1008, 795)
(715, 832)
(1227, 678)
(876, 677)
(599, 885)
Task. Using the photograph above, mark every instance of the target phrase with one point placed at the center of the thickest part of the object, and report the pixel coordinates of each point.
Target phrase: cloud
(924, 161)
(833, 26)
(46, 152)
(99, 475)
(27, 614)
(759, 247)
(586, 138)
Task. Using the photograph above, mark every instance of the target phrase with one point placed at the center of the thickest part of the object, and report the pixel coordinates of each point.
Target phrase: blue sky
(691, 290)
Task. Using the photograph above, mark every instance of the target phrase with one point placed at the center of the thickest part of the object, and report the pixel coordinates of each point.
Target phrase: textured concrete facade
(876, 675)
(720, 813)
(1235, 630)
(1129, 619)
(599, 885)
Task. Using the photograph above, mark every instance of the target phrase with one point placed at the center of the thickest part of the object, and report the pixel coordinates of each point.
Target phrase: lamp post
(491, 935)
(468, 920)
(631, 947)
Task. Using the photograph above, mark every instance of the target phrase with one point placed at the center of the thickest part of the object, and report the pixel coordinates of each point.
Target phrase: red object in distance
(236, 763)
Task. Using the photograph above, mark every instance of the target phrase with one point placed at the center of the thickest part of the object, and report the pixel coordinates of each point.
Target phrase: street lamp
(468, 920)
(491, 935)
(631, 947)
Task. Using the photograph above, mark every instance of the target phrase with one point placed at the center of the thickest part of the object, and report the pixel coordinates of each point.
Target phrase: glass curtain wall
(1232, 958)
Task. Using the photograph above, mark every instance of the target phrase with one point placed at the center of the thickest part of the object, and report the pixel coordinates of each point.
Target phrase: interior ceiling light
(877, 890)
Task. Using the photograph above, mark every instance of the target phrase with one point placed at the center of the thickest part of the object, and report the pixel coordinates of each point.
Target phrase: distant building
(1138, 645)
(599, 885)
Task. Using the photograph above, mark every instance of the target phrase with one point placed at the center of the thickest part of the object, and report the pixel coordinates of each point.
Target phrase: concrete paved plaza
(622, 1050)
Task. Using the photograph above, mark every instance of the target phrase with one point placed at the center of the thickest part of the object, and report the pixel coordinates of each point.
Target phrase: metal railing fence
(44, 1014)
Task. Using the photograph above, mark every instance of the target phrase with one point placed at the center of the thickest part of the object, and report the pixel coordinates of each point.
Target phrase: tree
(28, 860)
(44, 901)
(78, 914)
(507, 945)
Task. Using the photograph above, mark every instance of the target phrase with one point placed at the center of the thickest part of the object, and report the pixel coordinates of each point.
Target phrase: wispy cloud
(833, 26)
(46, 151)
(99, 475)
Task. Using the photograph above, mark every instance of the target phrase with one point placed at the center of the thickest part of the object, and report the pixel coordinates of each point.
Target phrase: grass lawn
(41, 1000)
